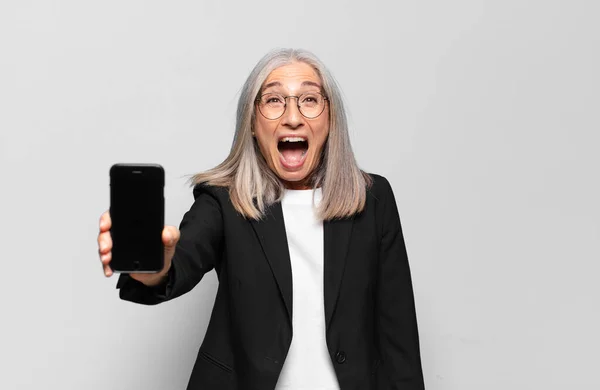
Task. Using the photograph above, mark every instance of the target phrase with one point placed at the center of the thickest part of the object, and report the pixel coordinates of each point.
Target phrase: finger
(105, 221)
(107, 271)
(104, 242)
(106, 258)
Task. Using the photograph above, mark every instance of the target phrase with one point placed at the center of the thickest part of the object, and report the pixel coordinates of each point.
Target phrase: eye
(310, 99)
(272, 99)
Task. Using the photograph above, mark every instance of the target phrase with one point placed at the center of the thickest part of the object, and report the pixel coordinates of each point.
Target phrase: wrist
(158, 279)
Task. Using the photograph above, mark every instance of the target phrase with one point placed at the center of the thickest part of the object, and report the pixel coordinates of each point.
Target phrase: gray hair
(253, 186)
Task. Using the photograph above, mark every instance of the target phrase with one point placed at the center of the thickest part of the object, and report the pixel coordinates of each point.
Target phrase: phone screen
(137, 215)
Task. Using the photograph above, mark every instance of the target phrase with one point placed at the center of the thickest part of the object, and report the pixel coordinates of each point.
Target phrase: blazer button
(340, 357)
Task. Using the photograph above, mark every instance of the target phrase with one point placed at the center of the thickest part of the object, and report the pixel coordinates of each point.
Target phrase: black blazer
(371, 325)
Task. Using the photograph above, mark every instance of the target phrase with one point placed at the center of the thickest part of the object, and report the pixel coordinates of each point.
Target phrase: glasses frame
(259, 98)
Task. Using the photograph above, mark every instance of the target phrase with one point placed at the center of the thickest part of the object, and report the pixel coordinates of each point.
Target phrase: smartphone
(137, 209)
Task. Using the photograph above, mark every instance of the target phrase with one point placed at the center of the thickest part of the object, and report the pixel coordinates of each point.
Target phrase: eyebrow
(304, 83)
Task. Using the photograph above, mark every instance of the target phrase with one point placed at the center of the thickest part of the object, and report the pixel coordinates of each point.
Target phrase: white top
(307, 365)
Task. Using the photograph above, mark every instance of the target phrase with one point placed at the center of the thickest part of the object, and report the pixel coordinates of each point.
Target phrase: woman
(303, 242)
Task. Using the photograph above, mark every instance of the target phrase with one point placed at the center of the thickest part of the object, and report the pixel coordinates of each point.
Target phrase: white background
(484, 116)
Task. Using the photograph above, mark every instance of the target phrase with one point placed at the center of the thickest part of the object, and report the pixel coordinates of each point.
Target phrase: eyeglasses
(310, 104)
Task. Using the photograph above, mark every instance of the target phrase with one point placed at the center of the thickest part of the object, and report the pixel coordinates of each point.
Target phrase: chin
(294, 179)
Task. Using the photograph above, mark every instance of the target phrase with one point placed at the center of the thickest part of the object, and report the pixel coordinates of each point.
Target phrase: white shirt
(307, 365)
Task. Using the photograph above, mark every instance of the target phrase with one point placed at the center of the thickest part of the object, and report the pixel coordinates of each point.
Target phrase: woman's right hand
(170, 237)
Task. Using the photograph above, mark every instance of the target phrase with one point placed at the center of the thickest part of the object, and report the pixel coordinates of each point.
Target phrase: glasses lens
(311, 104)
(272, 105)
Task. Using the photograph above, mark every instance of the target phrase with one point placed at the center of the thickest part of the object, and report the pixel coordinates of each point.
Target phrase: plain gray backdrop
(482, 114)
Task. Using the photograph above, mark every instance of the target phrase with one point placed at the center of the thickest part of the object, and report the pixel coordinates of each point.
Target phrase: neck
(297, 185)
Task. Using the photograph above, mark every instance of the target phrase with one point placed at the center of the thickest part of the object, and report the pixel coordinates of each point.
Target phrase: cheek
(264, 147)
(322, 134)
(264, 133)
(264, 144)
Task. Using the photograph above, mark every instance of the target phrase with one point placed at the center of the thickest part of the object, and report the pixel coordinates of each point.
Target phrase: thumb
(170, 236)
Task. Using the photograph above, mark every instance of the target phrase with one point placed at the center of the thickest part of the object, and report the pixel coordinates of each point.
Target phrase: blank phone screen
(137, 214)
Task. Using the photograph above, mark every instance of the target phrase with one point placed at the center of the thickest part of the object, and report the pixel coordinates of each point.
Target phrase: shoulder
(380, 189)
(209, 196)
(382, 202)
(204, 190)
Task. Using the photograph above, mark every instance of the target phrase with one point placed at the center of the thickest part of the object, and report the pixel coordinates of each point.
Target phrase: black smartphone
(137, 209)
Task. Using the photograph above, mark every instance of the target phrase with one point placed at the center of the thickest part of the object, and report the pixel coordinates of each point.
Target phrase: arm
(196, 253)
(397, 321)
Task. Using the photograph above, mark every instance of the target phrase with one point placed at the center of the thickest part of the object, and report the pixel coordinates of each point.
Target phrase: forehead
(292, 77)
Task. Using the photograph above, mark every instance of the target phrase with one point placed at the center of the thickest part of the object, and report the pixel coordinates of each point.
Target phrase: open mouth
(293, 150)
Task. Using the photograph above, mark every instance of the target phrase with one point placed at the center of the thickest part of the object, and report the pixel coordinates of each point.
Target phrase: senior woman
(314, 288)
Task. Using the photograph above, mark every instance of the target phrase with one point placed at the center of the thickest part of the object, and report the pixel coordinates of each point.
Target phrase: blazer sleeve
(397, 322)
(197, 252)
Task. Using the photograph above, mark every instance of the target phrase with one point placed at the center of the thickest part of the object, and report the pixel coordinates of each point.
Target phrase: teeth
(293, 139)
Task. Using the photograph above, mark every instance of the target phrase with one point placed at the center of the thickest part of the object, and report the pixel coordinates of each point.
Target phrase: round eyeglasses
(273, 105)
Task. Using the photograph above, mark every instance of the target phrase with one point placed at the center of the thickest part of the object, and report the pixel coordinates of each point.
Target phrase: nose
(292, 116)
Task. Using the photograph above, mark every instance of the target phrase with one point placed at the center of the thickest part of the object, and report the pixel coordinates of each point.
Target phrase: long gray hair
(253, 186)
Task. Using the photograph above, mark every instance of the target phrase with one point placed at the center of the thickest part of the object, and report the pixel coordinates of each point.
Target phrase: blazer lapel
(337, 238)
(272, 237)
